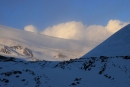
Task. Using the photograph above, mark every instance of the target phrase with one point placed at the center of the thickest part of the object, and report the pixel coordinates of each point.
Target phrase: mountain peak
(117, 44)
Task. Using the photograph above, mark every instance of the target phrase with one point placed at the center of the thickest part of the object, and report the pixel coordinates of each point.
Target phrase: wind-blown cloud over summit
(79, 31)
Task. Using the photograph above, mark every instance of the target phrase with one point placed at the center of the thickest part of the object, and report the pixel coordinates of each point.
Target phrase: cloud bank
(69, 30)
(78, 31)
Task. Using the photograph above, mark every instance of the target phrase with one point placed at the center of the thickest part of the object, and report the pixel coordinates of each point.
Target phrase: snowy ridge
(12, 48)
(86, 72)
(116, 45)
(34, 46)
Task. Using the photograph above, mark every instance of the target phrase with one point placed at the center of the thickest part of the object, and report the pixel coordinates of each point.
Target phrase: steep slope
(116, 45)
(42, 47)
(88, 72)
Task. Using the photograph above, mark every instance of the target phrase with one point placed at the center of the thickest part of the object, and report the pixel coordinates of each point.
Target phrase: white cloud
(69, 30)
(78, 31)
(30, 28)
(96, 33)
(114, 25)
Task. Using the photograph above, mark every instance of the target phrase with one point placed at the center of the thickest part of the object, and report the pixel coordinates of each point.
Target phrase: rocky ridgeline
(19, 50)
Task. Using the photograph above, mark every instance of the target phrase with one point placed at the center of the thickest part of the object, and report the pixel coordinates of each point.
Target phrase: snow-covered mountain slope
(88, 72)
(116, 45)
(35, 46)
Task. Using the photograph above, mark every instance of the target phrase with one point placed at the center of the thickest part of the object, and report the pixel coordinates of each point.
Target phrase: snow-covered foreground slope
(35, 46)
(88, 72)
(116, 45)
